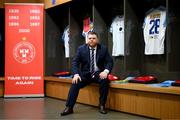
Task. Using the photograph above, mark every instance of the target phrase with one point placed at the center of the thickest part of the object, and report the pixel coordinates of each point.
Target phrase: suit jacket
(81, 61)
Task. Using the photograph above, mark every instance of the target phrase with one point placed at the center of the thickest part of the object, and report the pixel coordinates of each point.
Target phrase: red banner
(24, 63)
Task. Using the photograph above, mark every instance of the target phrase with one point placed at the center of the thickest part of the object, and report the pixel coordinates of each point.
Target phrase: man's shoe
(66, 111)
(102, 109)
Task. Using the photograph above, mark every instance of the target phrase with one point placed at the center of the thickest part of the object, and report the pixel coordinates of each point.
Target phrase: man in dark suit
(91, 64)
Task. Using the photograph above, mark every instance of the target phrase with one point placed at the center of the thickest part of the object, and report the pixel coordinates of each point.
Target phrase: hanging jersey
(154, 31)
(117, 30)
(65, 37)
(87, 26)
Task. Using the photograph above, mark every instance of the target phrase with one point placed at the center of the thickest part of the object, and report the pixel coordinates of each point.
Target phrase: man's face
(92, 40)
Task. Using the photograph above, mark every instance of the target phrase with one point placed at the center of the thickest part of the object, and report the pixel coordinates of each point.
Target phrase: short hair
(93, 33)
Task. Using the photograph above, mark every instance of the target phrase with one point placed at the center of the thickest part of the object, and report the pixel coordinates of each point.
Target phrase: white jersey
(65, 37)
(154, 31)
(117, 30)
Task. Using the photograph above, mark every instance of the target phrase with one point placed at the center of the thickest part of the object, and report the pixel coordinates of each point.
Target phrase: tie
(92, 61)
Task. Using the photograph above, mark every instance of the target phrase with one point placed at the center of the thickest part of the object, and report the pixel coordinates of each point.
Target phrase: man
(92, 63)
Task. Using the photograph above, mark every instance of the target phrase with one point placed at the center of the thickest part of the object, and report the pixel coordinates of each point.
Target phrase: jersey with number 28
(154, 31)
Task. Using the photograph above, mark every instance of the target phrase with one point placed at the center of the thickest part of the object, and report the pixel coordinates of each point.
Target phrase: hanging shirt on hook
(117, 30)
(66, 38)
(87, 26)
(154, 28)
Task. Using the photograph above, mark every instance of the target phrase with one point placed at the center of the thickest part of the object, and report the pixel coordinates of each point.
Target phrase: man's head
(92, 39)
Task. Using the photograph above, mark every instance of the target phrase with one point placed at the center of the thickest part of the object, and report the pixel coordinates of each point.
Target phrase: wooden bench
(140, 99)
(59, 88)
(1, 86)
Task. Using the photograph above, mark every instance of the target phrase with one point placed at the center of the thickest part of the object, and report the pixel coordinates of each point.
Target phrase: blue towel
(166, 83)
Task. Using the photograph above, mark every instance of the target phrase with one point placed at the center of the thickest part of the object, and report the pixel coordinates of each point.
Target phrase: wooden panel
(142, 103)
(19, 1)
(163, 104)
(1, 3)
(148, 104)
(130, 86)
(1, 89)
(88, 95)
(148, 88)
(1, 86)
(1, 78)
(57, 90)
(170, 107)
(123, 100)
(49, 4)
(56, 79)
(24, 1)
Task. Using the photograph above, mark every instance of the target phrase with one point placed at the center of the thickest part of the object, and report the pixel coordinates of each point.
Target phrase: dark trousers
(74, 90)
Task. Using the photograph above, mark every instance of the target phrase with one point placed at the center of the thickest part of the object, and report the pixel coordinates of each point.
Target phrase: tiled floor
(49, 108)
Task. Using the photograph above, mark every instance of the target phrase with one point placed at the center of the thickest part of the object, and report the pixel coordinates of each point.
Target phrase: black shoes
(102, 109)
(69, 110)
(66, 111)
